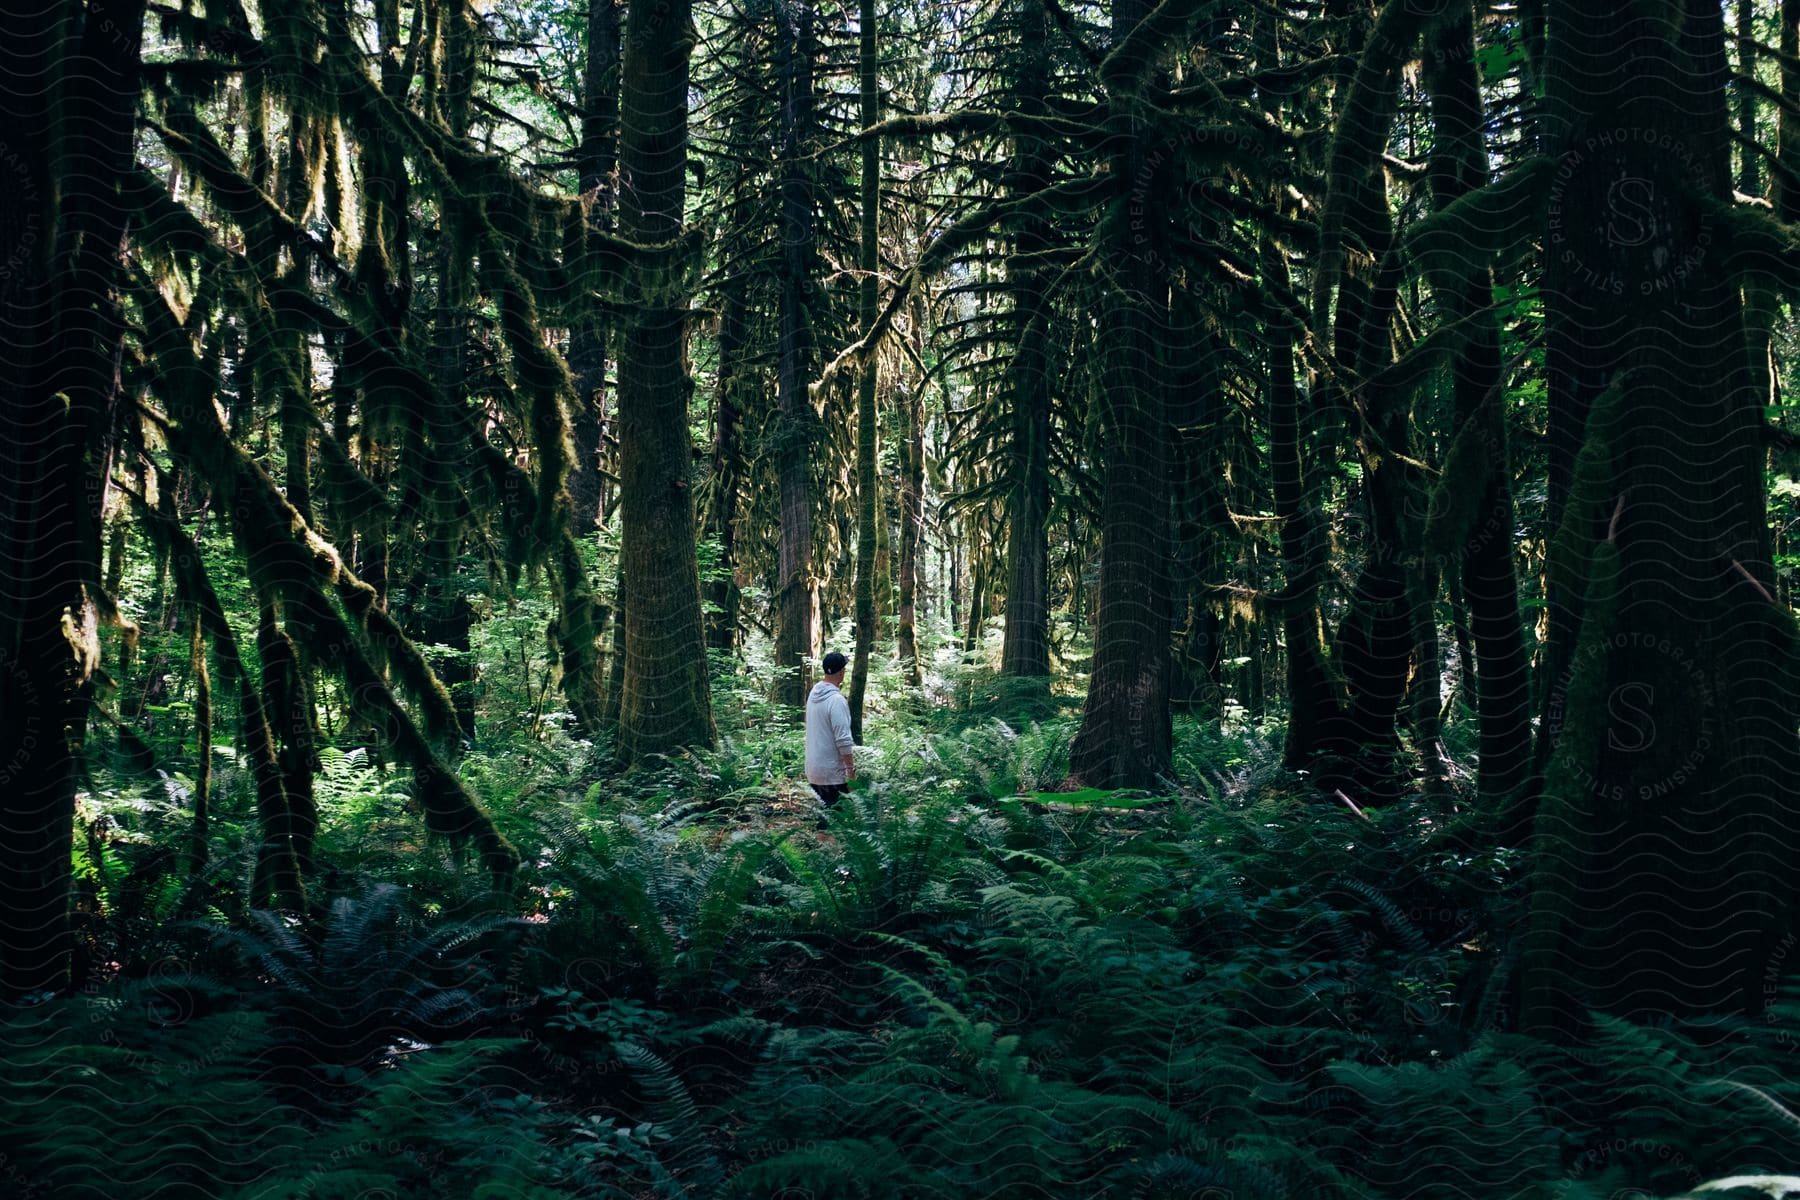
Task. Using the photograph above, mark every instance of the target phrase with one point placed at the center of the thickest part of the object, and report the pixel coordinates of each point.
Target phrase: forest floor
(959, 988)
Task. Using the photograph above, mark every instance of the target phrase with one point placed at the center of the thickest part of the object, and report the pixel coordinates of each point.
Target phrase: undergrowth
(956, 988)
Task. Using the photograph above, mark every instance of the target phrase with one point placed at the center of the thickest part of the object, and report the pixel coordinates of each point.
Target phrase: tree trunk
(870, 264)
(60, 337)
(1783, 194)
(1749, 179)
(666, 702)
(978, 586)
(735, 366)
(615, 665)
(290, 817)
(1424, 702)
(202, 792)
(1666, 831)
(796, 633)
(1314, 703)
(1126, 738)
(912, 517)
(1468, 683)
(1374, 646)
(1025, 648)
(1475, 508)
(596, 160)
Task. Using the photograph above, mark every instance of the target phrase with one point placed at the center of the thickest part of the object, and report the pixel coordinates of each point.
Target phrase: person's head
(833, 666)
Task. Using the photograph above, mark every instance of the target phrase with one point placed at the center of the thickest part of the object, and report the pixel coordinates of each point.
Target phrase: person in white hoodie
(830, 765)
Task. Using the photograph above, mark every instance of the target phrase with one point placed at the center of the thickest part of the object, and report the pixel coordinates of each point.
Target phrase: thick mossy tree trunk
(67, 109)
(1126, 737)
(666, 701)
(797, 596)
(1472, 516)
(1025, 645)
(868, 294)
(1666, 833)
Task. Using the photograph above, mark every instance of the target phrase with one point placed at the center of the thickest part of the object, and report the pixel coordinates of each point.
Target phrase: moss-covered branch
(278, 872)
(287, 558)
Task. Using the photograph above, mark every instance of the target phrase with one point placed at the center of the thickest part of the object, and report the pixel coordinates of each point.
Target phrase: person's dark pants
(828, 793)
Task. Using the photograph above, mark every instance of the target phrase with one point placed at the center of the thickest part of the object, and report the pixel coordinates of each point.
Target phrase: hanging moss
(449, 810)
(544, 377)
(286, 558)
(388, 383)
(348, 492)
(277, 874)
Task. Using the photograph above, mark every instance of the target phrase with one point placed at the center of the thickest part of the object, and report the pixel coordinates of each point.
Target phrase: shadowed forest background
(1306, 489)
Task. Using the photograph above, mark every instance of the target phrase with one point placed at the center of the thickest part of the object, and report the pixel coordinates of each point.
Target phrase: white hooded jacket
(827, 734)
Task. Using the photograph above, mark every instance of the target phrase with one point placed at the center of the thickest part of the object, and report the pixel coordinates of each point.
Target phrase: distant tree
(868, 294)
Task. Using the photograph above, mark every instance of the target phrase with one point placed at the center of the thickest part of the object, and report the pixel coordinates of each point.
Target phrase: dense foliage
(1305, 490)
(955, 988)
